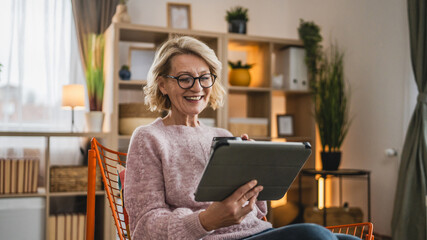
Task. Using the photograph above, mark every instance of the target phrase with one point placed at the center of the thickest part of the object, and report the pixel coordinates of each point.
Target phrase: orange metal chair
(107, 162)
(356, 229)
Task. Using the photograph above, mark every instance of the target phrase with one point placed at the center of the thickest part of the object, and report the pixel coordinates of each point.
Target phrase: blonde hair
(162, 65)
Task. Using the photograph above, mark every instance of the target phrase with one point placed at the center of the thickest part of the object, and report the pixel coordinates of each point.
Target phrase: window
(39, 54)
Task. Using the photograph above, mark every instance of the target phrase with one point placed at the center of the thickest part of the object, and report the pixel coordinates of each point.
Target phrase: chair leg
(90, 208)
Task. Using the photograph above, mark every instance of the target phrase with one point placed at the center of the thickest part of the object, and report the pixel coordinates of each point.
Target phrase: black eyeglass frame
(194, 79)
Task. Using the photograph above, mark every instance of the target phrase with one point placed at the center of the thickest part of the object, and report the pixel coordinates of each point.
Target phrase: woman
(166, 159)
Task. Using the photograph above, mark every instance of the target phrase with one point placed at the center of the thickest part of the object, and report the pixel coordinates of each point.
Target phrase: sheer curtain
(39, 54)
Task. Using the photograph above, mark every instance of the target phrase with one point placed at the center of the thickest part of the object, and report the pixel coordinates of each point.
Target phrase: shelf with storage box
(37, 196)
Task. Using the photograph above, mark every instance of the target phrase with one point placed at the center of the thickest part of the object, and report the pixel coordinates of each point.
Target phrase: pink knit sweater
(164, 166)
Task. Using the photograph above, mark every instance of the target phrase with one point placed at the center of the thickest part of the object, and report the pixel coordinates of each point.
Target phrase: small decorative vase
(240, 77)
(124, 73)
(121, 15)
(94, 121)
(237, 26)
(330, 160)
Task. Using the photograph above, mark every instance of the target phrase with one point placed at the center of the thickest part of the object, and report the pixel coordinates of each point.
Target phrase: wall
(374, 35)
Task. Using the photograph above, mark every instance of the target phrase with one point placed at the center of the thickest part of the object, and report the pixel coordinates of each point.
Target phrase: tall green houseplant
(95, 70)
(330, 97)
(309, 33)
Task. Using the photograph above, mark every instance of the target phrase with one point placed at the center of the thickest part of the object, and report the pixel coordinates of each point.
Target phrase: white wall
(374, 35)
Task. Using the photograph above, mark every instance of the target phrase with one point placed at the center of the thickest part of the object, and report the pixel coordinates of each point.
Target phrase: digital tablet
(232, 163)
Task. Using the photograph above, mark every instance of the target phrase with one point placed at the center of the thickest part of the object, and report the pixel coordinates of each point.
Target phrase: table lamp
(73, 95)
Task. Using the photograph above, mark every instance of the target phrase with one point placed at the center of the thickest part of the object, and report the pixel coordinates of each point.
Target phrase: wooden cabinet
(51, 203)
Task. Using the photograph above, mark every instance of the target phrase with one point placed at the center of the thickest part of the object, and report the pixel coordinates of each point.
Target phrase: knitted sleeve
(261, 209)
(149, 215)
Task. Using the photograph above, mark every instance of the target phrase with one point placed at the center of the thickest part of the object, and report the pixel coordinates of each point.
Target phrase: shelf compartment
(252, 52)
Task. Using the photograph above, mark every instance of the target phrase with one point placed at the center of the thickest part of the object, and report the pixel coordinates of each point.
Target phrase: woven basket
(71, 179)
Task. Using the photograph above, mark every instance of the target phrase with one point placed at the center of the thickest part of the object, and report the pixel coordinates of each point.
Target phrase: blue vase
(124, 74)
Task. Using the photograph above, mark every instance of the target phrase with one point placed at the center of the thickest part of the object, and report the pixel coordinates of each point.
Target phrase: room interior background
(375, 38)
(374, 35)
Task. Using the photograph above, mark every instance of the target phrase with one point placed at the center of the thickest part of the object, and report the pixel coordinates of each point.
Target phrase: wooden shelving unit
(43, 190)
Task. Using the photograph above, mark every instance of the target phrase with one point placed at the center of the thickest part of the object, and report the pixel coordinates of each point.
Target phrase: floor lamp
(73, 95)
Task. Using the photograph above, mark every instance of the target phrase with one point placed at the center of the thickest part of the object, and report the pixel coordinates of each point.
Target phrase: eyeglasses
(186, 81)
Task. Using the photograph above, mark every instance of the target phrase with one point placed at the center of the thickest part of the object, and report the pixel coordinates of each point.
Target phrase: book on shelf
(20, 176)
(52, 227)
(13, 175)
(1, 176)
(82, 226)
(35, 175)
(60, 227)
(74, 226)
(68, 226)
(7, 180)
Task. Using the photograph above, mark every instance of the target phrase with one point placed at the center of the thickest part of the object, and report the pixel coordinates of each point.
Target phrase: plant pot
(237, 26)
(94, 121)
(330, 160)
(240, 77)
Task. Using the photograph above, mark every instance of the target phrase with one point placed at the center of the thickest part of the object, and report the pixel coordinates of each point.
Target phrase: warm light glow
(321, 193)
(279, 202)
(73, 95)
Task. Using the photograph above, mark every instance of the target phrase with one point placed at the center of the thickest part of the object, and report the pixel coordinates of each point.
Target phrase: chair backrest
(361, 230)
(107, 161)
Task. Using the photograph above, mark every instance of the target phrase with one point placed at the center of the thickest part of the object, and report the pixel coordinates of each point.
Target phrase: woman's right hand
(232, 210)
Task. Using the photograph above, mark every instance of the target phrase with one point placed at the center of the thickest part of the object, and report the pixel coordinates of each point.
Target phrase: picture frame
(139, 61)
(179, 15)
(285, 125)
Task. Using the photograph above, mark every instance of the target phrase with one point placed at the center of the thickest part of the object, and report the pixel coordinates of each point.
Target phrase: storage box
(133, 115)
(291, 64)
(254, 127)
(71, 179)
(136, 110)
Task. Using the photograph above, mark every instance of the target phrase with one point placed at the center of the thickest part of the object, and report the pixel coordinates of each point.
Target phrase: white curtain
(39, 54)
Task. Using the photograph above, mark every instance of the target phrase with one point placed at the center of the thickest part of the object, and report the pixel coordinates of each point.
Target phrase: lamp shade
(73, 95)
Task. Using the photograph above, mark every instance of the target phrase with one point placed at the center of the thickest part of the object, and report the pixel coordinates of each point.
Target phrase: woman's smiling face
(186, 102)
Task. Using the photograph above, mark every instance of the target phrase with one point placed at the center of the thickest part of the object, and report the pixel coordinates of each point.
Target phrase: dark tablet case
(274, 165)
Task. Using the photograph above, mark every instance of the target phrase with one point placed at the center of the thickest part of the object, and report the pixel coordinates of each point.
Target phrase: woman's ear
(162, 84)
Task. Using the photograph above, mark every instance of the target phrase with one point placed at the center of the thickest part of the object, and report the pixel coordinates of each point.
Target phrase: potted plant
(326, 76)
(95, 80)
(239, 73)
(309, 33)
(331, 106)
(237, 18)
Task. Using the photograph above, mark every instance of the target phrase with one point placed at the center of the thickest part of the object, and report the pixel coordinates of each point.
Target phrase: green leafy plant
(237, 13)
(238, 64)
(309, 33)
(95, 70)
(331, 100)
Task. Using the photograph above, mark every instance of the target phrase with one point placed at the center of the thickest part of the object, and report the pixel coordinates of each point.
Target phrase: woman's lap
(301, 231)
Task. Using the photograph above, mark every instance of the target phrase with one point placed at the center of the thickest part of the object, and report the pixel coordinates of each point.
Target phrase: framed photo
(285, 125)
(139, 61)
(179, 15)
